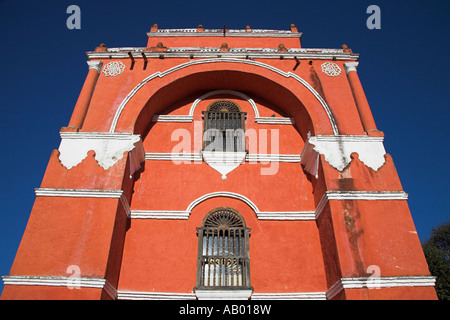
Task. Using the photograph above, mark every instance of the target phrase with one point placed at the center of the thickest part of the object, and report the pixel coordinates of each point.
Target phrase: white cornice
(193, 32)
(379, 282)
(82, 282)
(241, 53)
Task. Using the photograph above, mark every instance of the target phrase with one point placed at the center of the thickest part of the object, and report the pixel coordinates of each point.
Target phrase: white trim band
(379, 282)
(295, 158)
(358, 195)
(69, 282)
(78, 193)
(290, 296)
(85, 193)
(367, 195)
(274, 120)
(193, 32)
(223, 294)
(172, 118)
(138, 295)
(214, 52)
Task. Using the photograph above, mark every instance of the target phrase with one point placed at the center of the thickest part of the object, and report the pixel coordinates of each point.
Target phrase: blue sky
(404, 68)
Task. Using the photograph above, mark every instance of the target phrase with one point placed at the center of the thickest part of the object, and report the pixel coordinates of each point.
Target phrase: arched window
(223, 256)
(223, 127)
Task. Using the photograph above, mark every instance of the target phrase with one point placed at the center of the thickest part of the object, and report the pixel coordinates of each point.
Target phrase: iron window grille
(223, 252)
(224, 127)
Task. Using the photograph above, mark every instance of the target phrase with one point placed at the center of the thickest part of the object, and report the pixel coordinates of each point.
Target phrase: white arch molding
(229, 92)
(190, 117)
(228, 60)
(262, 215)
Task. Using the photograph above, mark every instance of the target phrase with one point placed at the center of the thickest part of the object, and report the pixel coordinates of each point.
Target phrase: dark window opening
(224, 127)
(223, 251)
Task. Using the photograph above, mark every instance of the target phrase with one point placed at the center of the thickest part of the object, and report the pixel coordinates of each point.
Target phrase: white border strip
(192, 32)
(159, 214)
(273, 120)
(358, 195)
(81, 282)
(86, 193)
(173, 156)
(78, 193)
(249, 157)
(290, 296)
(379, 282)
(172, 118)
(367, 195)
(138, 295)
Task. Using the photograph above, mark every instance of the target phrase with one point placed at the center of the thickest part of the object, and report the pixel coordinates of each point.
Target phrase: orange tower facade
(220, 164)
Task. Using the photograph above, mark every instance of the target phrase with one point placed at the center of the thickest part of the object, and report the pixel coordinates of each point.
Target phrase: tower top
(201, 37)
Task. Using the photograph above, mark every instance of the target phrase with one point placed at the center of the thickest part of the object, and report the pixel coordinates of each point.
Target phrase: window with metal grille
(223, 127)
(223, 255)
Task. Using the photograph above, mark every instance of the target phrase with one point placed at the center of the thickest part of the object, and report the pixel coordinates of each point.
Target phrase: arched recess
(284, 89)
